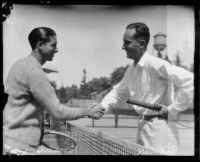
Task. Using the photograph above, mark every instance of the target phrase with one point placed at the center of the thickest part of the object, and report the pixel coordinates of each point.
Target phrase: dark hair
(40, 34)
(142, 30)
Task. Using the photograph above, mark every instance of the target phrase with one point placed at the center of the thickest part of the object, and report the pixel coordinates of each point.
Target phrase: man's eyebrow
(54, 43)
(125, 40)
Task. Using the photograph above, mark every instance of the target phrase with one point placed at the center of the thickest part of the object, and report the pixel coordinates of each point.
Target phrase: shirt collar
(143, 59)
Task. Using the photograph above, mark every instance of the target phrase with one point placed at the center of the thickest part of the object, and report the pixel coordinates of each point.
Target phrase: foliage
(61, 93)
(72, 92)
(84, 92)
(118, 74)
(167, 58)
(178, 61)
(99, 84)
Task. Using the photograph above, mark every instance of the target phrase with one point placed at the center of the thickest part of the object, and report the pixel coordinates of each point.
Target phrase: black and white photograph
(98, 79)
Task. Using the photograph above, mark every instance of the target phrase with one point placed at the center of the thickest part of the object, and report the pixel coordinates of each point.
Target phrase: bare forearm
(67, 113)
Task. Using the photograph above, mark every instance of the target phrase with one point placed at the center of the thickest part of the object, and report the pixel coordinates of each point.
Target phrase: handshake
(96, 111)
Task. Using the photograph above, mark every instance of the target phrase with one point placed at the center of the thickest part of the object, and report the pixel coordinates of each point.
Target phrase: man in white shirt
(152, 80)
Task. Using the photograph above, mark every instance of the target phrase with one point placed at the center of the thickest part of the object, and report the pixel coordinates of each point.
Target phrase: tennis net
(90, 142)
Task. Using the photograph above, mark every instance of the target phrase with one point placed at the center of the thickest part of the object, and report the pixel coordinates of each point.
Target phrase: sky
(91, 36)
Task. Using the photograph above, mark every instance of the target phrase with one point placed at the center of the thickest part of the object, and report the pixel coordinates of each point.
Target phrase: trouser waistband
(149, 117)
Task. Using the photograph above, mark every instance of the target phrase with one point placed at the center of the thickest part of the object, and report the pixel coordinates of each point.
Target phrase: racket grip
(144, 104)
(158, 107)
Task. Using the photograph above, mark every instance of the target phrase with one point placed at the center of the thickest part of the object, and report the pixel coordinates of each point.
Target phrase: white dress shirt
(155, 81)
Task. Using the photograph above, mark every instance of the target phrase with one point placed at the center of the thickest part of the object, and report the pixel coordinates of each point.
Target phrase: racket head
(58, 141)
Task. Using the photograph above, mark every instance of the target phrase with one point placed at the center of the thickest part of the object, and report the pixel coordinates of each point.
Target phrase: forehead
(53, 39)
(129, 33)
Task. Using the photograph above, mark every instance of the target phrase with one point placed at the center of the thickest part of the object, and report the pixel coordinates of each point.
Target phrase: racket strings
(59, 142)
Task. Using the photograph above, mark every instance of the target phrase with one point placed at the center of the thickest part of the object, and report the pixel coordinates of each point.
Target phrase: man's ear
(142, 43)
(39, 44)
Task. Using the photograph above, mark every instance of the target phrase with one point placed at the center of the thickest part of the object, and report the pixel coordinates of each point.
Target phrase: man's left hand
(163, 110)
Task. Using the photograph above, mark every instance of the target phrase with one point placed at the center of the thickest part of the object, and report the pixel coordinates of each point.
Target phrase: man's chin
(129, 57)
(51, 58)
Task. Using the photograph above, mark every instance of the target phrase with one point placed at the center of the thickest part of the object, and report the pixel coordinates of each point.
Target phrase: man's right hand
(96, 111)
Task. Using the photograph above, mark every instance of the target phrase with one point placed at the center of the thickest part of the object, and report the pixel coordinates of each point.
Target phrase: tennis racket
(144, 104)
(58, 141)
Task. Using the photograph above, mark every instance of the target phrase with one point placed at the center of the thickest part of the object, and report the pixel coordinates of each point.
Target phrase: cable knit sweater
(29, 93)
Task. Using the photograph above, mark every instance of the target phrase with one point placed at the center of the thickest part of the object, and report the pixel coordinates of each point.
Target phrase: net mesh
(90, 142)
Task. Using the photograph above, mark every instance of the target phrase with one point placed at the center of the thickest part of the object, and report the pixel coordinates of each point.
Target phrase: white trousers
(159, 134)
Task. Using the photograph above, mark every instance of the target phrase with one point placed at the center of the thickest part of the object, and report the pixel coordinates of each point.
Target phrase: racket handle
(144, 104)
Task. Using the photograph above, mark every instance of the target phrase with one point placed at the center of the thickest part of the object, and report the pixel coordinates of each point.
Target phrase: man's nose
(123, 47)
(56, 50)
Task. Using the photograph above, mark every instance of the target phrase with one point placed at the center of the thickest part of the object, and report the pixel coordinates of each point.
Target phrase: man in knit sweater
(30, 93)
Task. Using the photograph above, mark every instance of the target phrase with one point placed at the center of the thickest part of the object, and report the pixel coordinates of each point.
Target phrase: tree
(167, 58)
(62, 94)
(177, 60)
(118, 74)
(84, 88)
(99, 84)
(83, 81)
(84, 91)
(72, 92)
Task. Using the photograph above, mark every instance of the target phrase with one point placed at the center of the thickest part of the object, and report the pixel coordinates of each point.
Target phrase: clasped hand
(163, 110)
(96, 111)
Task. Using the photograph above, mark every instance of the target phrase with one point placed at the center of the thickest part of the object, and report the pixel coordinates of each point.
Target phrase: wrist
(171, 109)
(105, 107)
(88, 112)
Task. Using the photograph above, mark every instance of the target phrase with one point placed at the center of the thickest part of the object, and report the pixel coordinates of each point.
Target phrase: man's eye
(126, 42)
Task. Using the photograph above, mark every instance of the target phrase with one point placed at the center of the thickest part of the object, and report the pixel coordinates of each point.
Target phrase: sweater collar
(35, 61)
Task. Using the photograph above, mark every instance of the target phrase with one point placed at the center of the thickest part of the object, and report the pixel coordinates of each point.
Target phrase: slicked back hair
(42, 34)
(142, 31)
